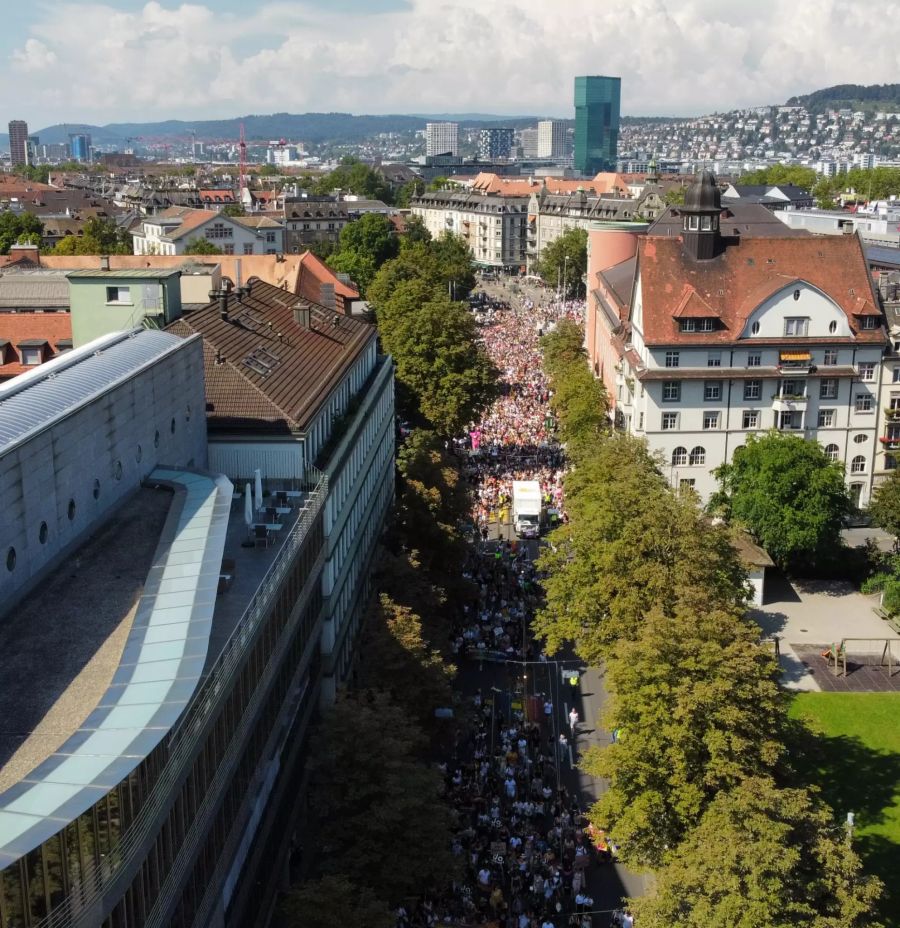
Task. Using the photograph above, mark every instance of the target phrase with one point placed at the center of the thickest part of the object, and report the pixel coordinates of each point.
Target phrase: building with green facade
(597, 102)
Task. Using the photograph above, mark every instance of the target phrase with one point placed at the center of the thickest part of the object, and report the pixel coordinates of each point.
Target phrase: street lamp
(565, 276)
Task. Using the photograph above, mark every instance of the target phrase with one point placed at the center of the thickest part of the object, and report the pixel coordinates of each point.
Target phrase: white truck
(527, 508)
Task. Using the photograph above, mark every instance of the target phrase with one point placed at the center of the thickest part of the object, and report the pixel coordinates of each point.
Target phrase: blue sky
(133, 60)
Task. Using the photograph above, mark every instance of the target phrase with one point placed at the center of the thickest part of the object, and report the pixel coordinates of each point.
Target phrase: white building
(710, 329)
(171, 231)
(553, 139)
(441, 138)
(494, 227)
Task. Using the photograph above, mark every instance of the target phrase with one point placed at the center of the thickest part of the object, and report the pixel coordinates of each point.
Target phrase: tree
(333, 902)
(782, 174)
(16, 227)
(372, 792)
(761, 856)
(201, 246)
(352, 176)
(789, 495)
(438, 183)
(416, 232)
(364, 246)
(697, 701)
(564, 262)
(885, 505)
(100, 237)
(412, 188)
(449, 376)
(234, 209)
(675, 195)
(454, 259)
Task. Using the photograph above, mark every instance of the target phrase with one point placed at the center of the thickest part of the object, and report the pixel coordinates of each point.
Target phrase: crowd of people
(524, 845)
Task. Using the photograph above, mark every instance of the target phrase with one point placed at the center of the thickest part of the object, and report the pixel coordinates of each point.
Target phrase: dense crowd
(524, 845)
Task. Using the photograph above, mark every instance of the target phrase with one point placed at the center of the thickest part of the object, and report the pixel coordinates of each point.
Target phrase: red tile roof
(732, 285)
(16, 328)
(313, 273)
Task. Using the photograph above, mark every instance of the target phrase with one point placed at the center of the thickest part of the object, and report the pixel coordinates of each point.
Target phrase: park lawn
(854, 757)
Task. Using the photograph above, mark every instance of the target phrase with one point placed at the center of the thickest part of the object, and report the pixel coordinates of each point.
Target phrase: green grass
(854, 757)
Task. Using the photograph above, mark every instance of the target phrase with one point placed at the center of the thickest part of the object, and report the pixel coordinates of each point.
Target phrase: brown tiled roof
(304, 365)
(730, 286)
(16, 328)
(313, 273)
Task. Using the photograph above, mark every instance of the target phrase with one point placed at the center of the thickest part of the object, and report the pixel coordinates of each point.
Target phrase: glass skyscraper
(596, 123)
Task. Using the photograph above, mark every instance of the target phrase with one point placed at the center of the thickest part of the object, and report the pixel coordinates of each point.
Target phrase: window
(896, 375)
(248, 248)
(832, 327)
(686, 484)
(270, 236)
(828, 388)
(706, 325)
(831, 357)
(118, 295)
(714, 359)
(706, 223)
(693, 223)
(671, 391)
(869, 322)
(752, 389)
(698, 455)
(219, 230)
(31, 356)
(669, 421)
(687, 325)
(672, 359)
(712, 390)
(863, 402)
(797, 326)
(751, 419)
(754, 359)
(710, 421)
(792, 388)
(754, 329)
(796, 294)
(860, 439)
(679, 457)
(890, 462)
(228, 249)
(832, 452)
(640, 426)
(43, 531)
(826, 418)
(867, 371)
(858, 465)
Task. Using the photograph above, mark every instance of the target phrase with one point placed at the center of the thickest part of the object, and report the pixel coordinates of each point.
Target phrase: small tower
(653, 171)
(700, 215)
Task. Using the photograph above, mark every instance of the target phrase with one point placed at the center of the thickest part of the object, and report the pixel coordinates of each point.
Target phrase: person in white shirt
(573, 720)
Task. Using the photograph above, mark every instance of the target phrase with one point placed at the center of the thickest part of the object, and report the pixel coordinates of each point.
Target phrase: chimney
(303, 315)
(104, 262)
(326, 296)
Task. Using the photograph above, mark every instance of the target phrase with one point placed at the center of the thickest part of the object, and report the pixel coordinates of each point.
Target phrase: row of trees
(700, 785)
(100, 236)
(869, 184)
(563, 263)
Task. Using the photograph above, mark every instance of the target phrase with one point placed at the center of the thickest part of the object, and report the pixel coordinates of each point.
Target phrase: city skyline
(164, 60)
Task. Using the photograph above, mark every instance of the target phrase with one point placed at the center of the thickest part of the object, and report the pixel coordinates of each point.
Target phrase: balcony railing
(890, 442)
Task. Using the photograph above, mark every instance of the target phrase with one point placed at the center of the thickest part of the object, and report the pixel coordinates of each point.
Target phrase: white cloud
(95, 62)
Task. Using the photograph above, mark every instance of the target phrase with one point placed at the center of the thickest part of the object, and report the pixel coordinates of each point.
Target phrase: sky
(131, 60)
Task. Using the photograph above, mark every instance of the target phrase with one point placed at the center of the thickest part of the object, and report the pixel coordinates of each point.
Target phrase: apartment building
(171, 231)
(441, 138)
(721, 323)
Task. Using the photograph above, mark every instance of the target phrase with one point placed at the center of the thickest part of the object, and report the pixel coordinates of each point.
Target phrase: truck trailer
(527, 508)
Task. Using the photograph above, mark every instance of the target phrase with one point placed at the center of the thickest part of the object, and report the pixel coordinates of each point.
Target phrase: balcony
(789, 402)
(891, 413)
(890, 442)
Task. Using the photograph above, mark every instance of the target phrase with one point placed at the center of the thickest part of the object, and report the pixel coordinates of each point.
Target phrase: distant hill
(870, 98)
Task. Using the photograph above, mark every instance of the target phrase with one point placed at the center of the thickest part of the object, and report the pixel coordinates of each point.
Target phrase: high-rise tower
(597, 102)
(18, 141)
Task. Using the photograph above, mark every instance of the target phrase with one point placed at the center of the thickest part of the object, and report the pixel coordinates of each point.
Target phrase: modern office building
(80, 146)
(722, 323)
(597, 101)
(18, 141)
(441, 138)
(495, 144)
(168, 658)
(553, 139)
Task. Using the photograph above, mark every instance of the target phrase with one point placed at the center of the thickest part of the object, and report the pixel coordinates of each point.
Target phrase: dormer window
(705, 324)
(692, 223)
(869, 322)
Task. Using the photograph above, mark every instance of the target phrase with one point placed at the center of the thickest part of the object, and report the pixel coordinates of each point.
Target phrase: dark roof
(736, 218)
(704, 194)
(258, 381)
(883, 256)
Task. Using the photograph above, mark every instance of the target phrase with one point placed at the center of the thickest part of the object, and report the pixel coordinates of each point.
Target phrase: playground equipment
(865, 652)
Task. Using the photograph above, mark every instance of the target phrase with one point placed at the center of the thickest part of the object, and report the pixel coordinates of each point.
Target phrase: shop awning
(795, 356)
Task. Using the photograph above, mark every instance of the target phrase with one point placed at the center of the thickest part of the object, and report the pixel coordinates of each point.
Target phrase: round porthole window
(156, 439)
(43, 531)
(117, 470)
(71, 511)
(138, 454)
(11, 560)
(96, 489)
(755, 328)
(832, 327)
(796, 294)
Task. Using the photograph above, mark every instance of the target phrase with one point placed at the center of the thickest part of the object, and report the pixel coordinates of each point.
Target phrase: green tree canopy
(564, 262)
(333, 902)
(787, 493)
(101, 237)
(234, 209)
(352, 176)
(412, 188)
(15, 227)
(447, 374)
(365, 245)
(201, 246)
(761, 856)
(885, 505)
(782, 174)
(372, 792)
(416, 232)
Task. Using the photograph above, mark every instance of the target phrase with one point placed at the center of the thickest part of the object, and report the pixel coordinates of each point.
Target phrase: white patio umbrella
(258, 494)
(248, 506)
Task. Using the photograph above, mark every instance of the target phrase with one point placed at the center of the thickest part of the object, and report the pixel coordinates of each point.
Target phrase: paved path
(807, 616)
